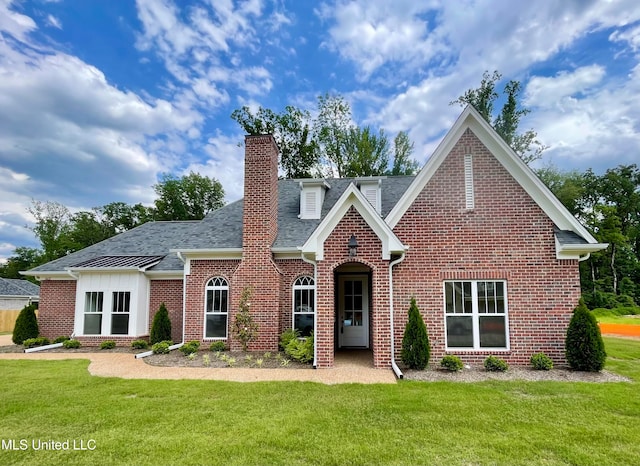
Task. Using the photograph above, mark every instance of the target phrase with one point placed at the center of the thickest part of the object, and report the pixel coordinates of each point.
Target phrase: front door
(353, 311)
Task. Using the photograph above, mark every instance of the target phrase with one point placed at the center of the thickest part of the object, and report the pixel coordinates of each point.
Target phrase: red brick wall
(291, 270)
(170, 293)
(369, 254)
(201, 272)
(57, 308)
(506, 236)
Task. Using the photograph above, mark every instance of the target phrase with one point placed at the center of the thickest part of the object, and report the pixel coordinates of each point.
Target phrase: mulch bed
(226, 359)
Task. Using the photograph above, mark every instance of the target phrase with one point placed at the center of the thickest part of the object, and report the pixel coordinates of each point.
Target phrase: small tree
(415, 342)
(161, 327)
(244, 328)
(584, 346)
(26, 325)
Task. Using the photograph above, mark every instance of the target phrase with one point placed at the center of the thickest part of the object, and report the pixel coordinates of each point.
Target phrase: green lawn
(208, 422)
(619, 320)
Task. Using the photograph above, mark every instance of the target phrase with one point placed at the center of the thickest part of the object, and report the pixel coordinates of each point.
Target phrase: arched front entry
(353, 306)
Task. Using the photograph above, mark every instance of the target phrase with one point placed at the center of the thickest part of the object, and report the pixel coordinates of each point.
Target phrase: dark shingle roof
(222, 228)
(569, 237)
(15, 287)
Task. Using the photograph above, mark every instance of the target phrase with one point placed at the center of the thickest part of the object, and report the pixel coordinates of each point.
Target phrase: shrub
(584, 347)
(541, 362)
(31, 342)
(493, 364)
(162, 347)
(191, 347)
(218, 345)
(26, 326)
(301, 349)
(71, 344)
(287, 336)
(244, 328)
(61, 339)
(139, 344)
(415, 342)
(108, 344)
(161, 327)
(451, 363)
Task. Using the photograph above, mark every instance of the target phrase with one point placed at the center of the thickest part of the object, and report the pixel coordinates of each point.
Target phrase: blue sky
(98, 98)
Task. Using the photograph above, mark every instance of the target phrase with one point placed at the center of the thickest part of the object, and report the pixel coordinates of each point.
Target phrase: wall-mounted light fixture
(353, 246)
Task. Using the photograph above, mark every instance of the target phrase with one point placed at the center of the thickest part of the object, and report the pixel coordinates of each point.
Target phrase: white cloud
(53, 22)
(548, 91)
(631, 36)
(14, 23)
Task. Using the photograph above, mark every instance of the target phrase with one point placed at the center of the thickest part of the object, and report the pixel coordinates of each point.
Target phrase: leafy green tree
(507, 122)
(403, 164)
(23, 258)
(292, 132)
(120, 216)
(84, 229)
(190, 197)
(161, 326)
(583, 345)
(368, 152)
(51, 227)
(245, 329)
(568, 187)
(26, 325)
(415, 342)
(331, 128)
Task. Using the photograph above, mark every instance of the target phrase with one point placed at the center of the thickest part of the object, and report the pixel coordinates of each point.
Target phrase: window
(216, 308)
(304, 290)
(476, 314)
(93, 312)
(120, 312)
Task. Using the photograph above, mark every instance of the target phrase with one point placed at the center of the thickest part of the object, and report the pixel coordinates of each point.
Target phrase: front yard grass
(209, 422)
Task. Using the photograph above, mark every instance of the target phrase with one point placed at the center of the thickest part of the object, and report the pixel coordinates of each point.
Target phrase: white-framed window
(216, 308)
(304, 305)
(476, 314)
(93, 312)
(120, 311)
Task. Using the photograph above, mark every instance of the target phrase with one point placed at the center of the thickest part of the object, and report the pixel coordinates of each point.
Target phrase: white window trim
(120, 313)
(300, 287)
(101, 313)
(215, 288)
(475, 318)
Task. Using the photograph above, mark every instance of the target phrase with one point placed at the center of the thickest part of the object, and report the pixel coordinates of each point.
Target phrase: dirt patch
(479, 374)
(226, 359)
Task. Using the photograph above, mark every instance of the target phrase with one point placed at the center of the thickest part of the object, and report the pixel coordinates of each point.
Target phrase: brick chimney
(260, 217)
(259, 229)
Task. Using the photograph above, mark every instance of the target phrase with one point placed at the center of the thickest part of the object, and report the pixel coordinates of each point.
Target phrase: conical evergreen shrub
(584, 346)
(26, 325)
(415, 342)
(161, 327)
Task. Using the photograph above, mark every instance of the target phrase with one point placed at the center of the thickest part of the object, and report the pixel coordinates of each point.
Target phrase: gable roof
(352, 197)
(16, 287)
(546, 200)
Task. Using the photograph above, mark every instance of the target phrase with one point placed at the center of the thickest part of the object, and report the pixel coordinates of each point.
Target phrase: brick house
(489, 253)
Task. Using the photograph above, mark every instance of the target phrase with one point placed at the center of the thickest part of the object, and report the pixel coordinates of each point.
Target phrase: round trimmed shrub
(218, 345)
(451, 363)
(162, 347)
(26, 325)
(415, 342)
(493, 364)
(31, 342)
(191, 347)
(108, 344)
(541, 362)
(161, 327)
(61, 339)
(584, 347)
(139, 344)
(71, 344)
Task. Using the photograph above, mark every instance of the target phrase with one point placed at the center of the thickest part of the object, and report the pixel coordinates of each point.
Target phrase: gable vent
(310, 204)
(468, 182)
(371, 191)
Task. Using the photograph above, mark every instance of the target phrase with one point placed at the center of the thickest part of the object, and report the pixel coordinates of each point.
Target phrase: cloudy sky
(97, 98)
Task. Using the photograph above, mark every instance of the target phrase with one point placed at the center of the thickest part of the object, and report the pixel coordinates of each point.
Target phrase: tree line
(61, 232)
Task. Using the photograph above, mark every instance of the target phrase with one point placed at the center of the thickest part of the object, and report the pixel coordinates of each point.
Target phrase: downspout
(75, 277)
(315, 317)
(394, 366)
(184, 293)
